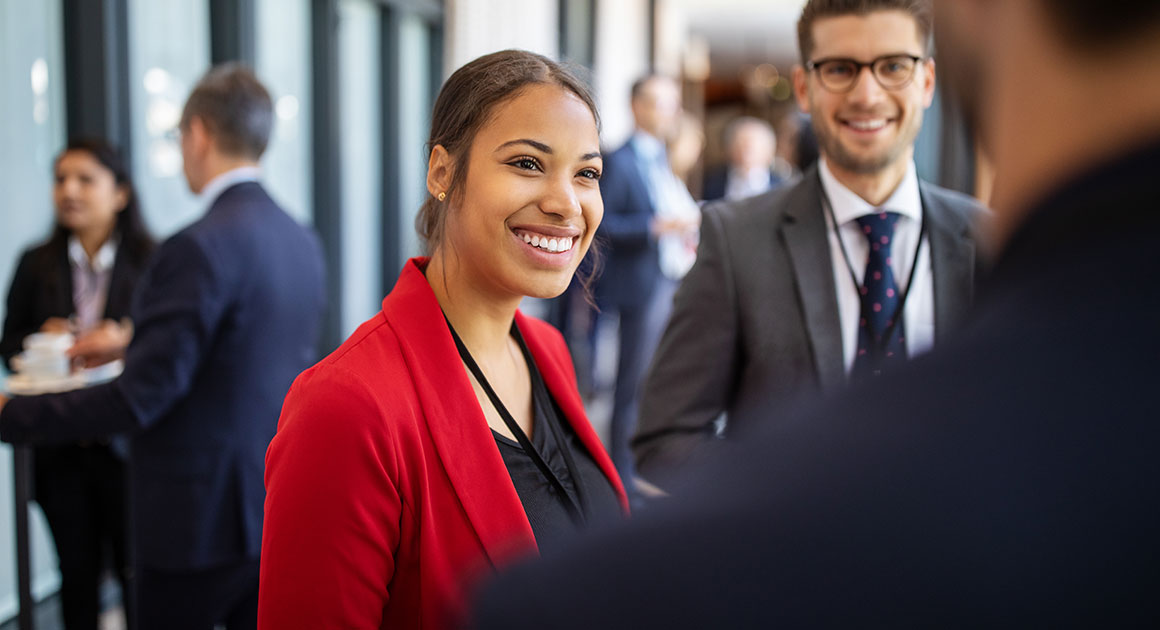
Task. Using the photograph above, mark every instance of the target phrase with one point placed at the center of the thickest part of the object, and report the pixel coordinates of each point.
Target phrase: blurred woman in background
(446, 437)
(81, 280)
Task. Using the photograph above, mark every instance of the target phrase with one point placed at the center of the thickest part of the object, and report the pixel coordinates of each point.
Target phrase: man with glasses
(835, 279)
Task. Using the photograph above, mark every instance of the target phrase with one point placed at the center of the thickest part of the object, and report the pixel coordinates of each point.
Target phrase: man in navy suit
(752, 147)
(227, 314)
(1009, 478)
(648, 227)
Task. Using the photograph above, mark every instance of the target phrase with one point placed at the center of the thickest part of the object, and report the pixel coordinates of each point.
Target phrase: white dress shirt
(90, 280)
(219, 184)
(918, 312)
(671, 200)
(740, 184)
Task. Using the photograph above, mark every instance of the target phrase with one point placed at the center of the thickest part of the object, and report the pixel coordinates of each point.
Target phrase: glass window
(415, 94)
(168, 53)
(360, 113)
(32, 123)
(283, 64)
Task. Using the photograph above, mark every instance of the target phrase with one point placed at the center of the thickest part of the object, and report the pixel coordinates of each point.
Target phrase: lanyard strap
(570, 505)
(896, 317)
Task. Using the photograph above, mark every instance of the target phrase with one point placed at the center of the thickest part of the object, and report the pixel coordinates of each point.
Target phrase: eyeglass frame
(814, 65)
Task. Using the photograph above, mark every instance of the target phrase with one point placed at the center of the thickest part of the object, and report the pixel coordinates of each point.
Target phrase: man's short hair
(638, 85)
(814, 10)
(235, 108)
(1094, 24)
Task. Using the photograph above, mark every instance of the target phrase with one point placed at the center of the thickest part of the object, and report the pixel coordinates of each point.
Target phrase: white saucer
(22, 385)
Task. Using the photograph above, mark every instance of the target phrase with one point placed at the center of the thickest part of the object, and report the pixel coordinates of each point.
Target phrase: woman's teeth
(554, 245)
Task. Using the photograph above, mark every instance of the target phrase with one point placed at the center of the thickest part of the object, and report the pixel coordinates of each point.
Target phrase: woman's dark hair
(136, 242)
(467, 101)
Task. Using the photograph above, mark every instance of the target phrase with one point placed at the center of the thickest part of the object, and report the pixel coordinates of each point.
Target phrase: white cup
(55, 342)
(45, 356)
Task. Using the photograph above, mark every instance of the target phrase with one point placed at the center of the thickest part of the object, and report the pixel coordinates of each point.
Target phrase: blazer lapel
(952, 260)
(119, 296)
(803, 231)
(62, 286)
(560, 380)
(459, 431)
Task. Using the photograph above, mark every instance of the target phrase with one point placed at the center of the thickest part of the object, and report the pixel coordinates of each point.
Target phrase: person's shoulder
(374, 345)
(959, 203)
(367, 371)
(618, 157)
(34, 255)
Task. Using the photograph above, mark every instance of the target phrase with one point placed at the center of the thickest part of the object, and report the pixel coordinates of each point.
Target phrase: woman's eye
(526, 163)
(590, 173)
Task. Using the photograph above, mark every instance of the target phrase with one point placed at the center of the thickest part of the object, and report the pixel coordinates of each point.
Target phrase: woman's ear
(440, 171)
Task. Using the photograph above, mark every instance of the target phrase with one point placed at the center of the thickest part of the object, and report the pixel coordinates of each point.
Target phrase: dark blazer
(1007, 479)
(632, 260)
(416, 505)
(226, 316)
(42, 288)
(717, 180)
(755, 322)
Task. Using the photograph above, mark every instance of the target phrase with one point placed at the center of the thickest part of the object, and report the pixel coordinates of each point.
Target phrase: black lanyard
(880, 343)
(570, 504)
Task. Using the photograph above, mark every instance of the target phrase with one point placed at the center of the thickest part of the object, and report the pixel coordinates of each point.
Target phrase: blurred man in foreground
(1007, 479)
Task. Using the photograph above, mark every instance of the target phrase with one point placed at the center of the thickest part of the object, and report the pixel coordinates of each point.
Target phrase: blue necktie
(880, 300)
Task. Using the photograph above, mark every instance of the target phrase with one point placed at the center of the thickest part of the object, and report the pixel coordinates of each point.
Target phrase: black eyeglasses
(839, 75)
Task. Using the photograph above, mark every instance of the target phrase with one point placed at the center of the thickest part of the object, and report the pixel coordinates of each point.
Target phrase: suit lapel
(458, 429)
(560, 379)
(803, 231)
(117, 302)
(62, 289)
(952, 259)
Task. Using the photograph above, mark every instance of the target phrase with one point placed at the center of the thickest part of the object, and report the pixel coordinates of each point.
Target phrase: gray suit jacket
(755, 322)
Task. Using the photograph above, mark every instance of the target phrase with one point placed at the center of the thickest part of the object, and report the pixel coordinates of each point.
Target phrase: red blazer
(387, 498)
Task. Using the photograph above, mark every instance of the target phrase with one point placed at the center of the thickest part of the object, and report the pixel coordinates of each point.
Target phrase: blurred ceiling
(743, 33)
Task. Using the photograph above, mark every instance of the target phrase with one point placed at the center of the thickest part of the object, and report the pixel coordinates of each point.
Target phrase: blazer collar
(457, 425)
(803, 231)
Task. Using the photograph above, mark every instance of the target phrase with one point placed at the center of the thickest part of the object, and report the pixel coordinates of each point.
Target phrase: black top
(546, 509)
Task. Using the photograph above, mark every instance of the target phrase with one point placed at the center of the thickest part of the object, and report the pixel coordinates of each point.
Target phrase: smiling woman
(446, 437)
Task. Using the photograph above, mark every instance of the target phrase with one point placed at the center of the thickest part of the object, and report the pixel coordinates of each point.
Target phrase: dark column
(391, 62)
(233, 31)
(327, 160)
(96, 67)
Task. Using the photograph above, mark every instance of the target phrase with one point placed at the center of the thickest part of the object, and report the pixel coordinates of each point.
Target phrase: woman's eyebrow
(539, 146)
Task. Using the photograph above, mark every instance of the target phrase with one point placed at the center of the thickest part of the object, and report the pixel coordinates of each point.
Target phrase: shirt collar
(100, 262)
(219, 184)
(848, 206)
(647, 146)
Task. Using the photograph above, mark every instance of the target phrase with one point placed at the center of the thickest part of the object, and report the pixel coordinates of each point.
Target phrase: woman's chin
(550, 288)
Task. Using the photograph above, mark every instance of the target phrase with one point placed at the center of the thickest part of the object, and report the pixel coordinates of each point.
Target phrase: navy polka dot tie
(880, 340)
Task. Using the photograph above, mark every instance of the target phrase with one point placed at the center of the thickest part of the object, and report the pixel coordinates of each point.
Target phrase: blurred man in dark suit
(649, 228)
(752, 148)
(226, 315)
(1007, 479)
